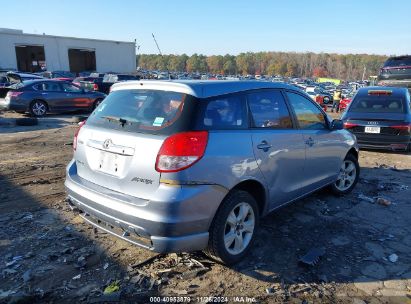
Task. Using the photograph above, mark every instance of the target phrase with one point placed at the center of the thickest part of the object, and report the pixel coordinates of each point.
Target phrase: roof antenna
(168, 72)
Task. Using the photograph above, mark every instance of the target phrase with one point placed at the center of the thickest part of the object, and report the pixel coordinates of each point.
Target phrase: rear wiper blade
(122, 121)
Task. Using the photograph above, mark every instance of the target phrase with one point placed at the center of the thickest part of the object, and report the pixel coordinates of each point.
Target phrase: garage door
(82, 60)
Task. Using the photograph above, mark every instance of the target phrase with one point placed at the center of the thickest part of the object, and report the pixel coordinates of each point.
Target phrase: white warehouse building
(34, 53)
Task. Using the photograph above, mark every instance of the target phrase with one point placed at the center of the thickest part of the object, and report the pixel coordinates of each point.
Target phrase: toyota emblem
(107, 143)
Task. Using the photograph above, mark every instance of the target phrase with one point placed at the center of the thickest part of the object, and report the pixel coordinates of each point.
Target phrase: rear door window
(146, 111)
(308, 115)
(225, 112)
(268, 110)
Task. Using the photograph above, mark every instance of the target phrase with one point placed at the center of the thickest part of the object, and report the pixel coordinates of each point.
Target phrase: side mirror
(337, 124)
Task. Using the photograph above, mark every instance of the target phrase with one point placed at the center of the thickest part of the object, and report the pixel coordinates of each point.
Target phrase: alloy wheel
(239, 228)
(347, 175)
(39, 108)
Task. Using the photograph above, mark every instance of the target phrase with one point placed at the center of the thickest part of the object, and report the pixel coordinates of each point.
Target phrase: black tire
(326, 100)
(216, 248)
(78, 118)
(35, 107)
(27, 121)
(337, 190)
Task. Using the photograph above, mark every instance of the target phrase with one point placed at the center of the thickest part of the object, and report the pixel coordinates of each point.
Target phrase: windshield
(377, 104)
(139, 110)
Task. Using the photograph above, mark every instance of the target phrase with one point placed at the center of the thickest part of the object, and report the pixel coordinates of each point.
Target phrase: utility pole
(363, 73)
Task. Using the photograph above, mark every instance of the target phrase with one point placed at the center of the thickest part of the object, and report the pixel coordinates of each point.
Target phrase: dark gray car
(190, 165)
(39, 97)
(396, 72)
(380, 118)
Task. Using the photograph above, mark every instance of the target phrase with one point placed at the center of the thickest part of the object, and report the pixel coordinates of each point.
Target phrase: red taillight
(379, 92)
(13, 94)
(402, 127)
(95, 87)
(348, 125)
(181, 150)
(76, 134)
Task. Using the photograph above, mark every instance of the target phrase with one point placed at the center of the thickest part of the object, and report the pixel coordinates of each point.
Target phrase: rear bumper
(165, 223)
(6, 104)
(382, 142)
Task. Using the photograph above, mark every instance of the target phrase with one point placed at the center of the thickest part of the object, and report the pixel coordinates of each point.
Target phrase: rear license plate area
(374, 130)
(110, 163)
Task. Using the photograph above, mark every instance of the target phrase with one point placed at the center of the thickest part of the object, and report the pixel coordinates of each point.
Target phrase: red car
(344, 103)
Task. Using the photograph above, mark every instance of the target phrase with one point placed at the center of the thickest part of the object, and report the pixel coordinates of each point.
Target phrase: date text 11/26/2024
(198, 299)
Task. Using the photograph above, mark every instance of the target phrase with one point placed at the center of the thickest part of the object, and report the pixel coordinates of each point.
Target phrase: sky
(218, 27)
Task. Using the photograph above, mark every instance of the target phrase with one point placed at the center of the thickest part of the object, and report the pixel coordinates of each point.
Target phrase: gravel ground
(48, 254)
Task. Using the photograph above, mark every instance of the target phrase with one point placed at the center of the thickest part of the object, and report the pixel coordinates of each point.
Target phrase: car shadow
(48, 255)
(365, 241)
(388, 152)
(50, 121)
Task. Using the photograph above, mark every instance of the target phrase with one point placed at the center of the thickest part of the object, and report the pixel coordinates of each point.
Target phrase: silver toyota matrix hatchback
(177, 166)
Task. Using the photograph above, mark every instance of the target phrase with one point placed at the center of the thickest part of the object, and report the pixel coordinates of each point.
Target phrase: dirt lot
(47, 253)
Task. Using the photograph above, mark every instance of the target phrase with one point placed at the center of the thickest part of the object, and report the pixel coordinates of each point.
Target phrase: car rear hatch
(378, 117)
(118, 160)
(117, 147)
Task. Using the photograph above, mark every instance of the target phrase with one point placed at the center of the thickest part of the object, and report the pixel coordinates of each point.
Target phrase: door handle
(264, 145)
(309, 142)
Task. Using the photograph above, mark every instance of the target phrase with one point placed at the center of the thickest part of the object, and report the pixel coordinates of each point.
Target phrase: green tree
(197, 63)
(230, 65)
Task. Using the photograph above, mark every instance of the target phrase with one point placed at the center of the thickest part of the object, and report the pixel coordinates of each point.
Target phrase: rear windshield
(110, 78)
(398, 61)
(144, 111)
(377, 104)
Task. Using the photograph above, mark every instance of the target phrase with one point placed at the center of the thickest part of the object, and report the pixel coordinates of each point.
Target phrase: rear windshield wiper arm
(122, 121)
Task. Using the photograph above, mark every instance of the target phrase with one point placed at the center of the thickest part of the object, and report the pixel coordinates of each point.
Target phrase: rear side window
(226, 112)
(309, 116)
(377, 104)
(268, 110)
(146, 111)
(398, 62)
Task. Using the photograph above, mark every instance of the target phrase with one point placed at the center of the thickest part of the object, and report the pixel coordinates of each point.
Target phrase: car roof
(34, 81)
(201, 88)
(396, 91)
